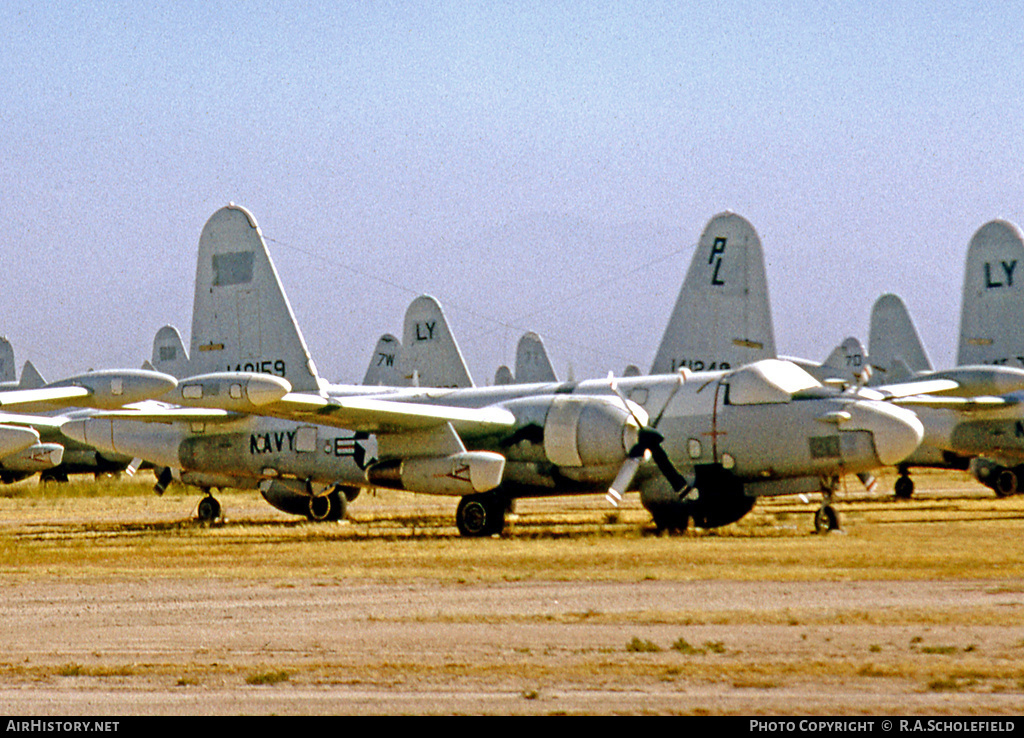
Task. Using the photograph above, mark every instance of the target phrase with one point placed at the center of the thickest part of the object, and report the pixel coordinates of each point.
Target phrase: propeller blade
(133, 467)
(623, 479)
(869, 482)
(677, 480)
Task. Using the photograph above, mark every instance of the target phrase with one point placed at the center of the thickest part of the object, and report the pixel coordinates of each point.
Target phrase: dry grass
(757, 659)
(952, 529)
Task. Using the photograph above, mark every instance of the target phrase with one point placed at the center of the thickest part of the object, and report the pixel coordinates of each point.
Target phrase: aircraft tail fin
(532, 362)
(993, 297)
(722, 318)
(30, 377)
(241, 317)
(430, 353)
(503, 376)
(894, 346)
(384, 369)
(169, 355)
(8, 369)
(848, 361)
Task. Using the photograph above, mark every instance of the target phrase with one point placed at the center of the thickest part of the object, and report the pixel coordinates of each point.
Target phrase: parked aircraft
(987, 436)
(993, 304)
(20, 418)
(696, 445)
(53, 455)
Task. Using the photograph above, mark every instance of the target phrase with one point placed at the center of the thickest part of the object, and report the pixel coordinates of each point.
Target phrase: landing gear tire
(673, 525)
(1006, 483)
(333, 506)
(209, 509)
(479, 516)
(53, 476)
(826, 519)
(904, 488)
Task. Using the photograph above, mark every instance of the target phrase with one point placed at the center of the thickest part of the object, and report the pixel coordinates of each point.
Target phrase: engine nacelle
(37, 457)
(15, 438)
(578, 431)
(459, 474)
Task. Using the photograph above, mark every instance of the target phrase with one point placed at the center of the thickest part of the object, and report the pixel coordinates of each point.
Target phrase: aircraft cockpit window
(768, 382)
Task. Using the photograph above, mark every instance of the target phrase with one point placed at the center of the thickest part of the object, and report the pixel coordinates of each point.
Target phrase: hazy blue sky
(537, 166)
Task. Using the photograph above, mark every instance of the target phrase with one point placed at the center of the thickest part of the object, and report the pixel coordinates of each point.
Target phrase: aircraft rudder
(169, 354)
(722, 316)
(993, 297)
(241, 317)
(384, 369)
(430, 354)
(532, 362)
(894, 346)
(8, 369)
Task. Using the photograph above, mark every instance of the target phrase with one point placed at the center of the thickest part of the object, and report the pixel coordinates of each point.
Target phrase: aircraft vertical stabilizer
(532, 362)
(384, 369)
(430, 354)
(893, 343)
(241, 318)
(8, 370)
(169, 355)
(847, 362)
(722, 318)
(993, 297)
(30, 377)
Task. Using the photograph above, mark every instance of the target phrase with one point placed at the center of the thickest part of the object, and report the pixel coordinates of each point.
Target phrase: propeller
(648, 444)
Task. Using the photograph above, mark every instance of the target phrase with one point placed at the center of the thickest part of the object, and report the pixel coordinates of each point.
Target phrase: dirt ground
(180, 647)
(104, 643)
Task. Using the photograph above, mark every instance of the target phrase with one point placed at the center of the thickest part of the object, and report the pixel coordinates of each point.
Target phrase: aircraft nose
(897, 432)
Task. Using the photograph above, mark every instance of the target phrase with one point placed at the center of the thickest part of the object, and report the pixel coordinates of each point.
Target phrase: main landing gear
(209, 509)
(481, 515)
(332, 506)
(826, 519)
(904, 487)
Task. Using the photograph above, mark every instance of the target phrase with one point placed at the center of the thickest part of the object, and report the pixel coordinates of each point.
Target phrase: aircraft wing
(36, 421)
(377, 415)
(168, 414)
(243, 393)
(49, 395)
(955, 403)
(102, 389)
(917, 387)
